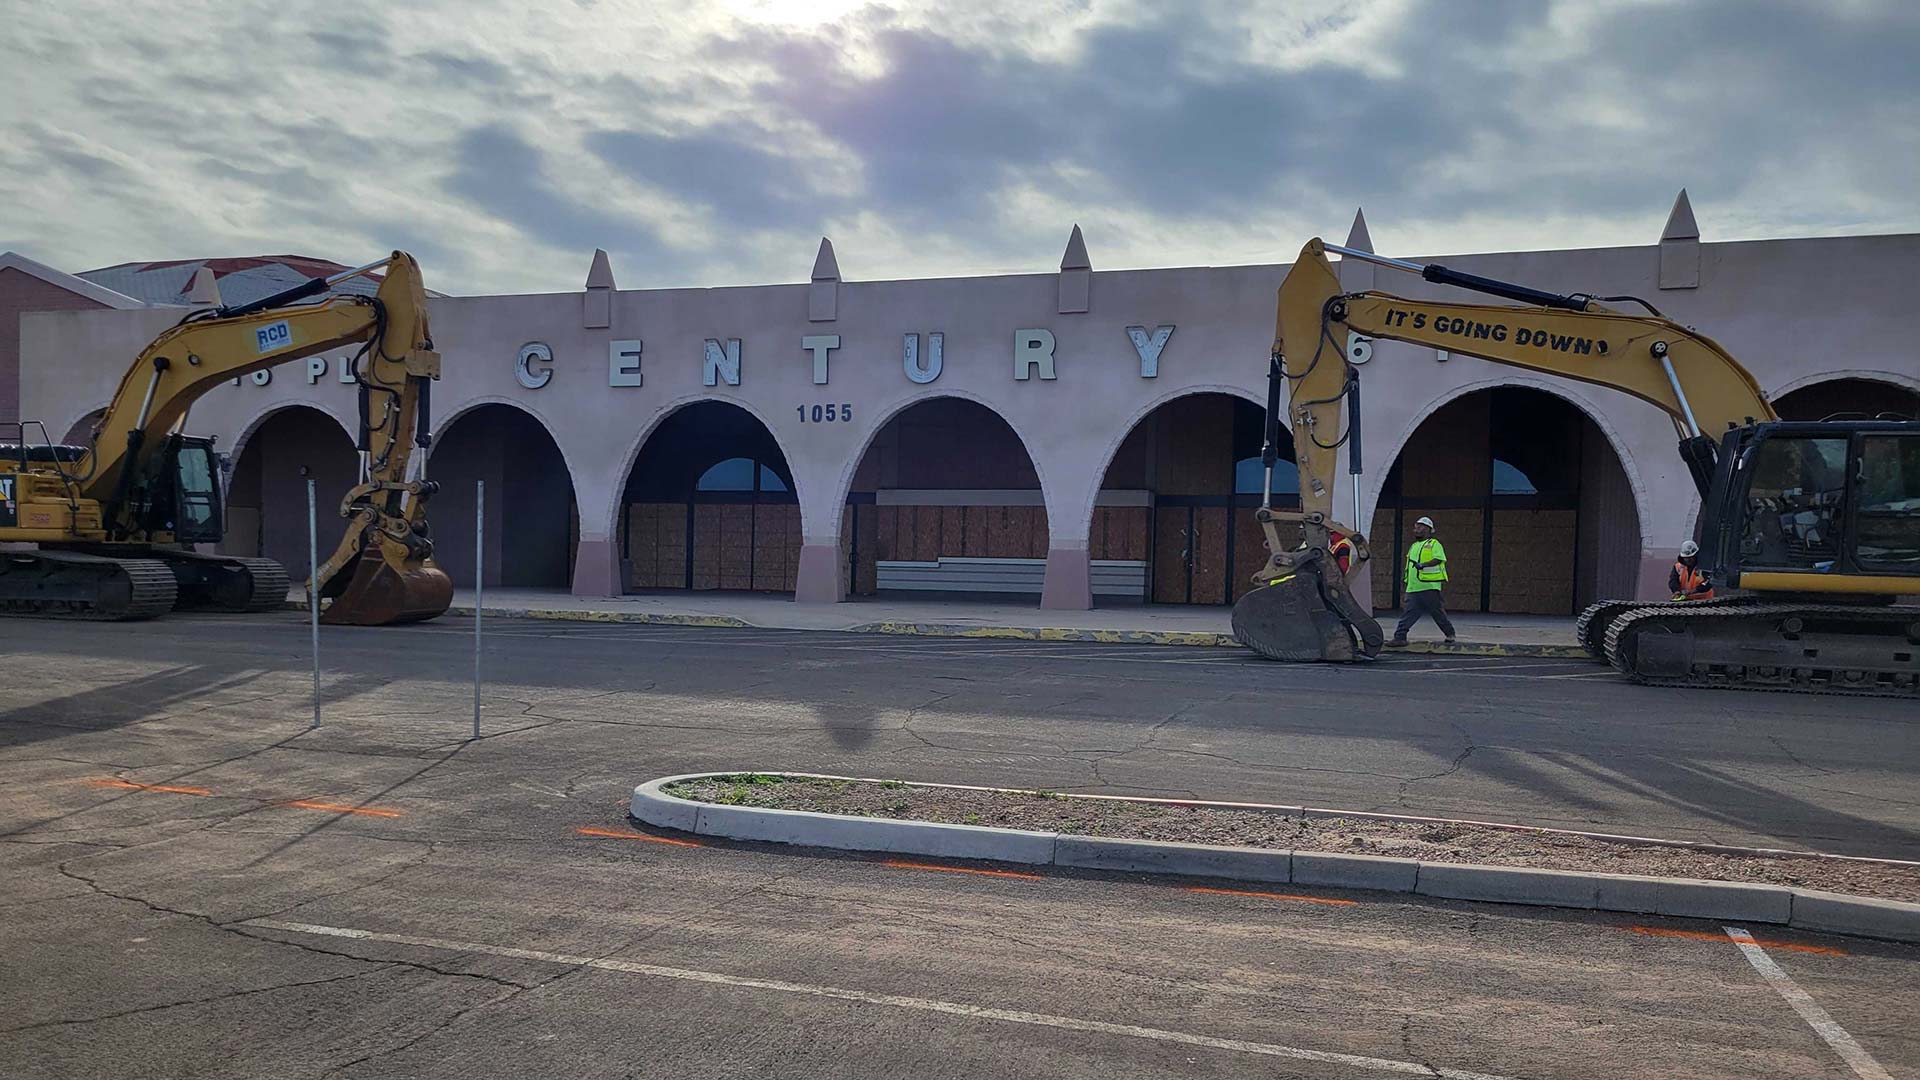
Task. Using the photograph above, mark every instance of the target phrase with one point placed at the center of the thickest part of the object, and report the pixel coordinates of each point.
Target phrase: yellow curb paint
(1198, 638)
(1050, 633)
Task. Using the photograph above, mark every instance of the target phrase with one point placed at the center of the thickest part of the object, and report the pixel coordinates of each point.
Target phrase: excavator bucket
(377, 595)
(1302, 617)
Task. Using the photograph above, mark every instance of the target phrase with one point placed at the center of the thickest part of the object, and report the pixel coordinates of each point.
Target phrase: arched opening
(709, 504)
(1848, 399)
(82, 430)
(924, 518)
(1527, 495)
(267, 487)
(1179, 496)
(532, 520)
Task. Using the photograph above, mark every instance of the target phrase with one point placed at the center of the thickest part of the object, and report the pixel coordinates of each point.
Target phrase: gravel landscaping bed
(1435, 841)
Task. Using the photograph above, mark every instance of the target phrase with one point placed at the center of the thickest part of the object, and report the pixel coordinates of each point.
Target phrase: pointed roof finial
(1357, 237)
(825, 266)
(1076, 254)
(205, 291)
(1680, 223)
(600, 275)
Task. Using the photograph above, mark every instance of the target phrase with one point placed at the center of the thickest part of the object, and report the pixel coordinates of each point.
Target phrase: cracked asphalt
(192, 884)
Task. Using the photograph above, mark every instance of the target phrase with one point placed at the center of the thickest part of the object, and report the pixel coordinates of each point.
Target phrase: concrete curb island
(1012, 633)
(1802, 909)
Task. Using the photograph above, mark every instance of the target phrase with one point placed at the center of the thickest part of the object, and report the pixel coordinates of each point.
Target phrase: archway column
(1069, 497)
(597, 484)
(596, 563)
(820, 578)
(821, 574)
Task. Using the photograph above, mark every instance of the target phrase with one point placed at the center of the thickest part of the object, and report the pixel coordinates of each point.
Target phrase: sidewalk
(1146, 624)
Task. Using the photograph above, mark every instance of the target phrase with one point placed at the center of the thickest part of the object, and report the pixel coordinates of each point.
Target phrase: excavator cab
(181, 497)
(1815, 507)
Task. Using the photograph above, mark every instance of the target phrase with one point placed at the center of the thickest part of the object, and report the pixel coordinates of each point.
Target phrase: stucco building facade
(1076, 436)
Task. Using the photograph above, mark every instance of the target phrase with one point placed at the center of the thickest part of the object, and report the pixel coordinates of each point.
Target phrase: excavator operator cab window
(1886, 521)
(196, 508)
(1794, 493)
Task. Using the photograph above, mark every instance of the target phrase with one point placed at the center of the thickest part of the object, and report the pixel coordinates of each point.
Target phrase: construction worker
(1340, 545)
(1426, 573)
(1686, 580)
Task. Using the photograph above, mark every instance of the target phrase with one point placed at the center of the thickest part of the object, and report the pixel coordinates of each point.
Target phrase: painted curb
(1186, 860)
(1202, 638)
(1508, 885)
(1805, 909)
(727, 622)
(1862, 916)
(1696, 899)
(1377, 872)
(1050, 633)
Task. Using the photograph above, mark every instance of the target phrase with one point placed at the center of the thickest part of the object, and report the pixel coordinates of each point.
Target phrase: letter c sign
(533, 352)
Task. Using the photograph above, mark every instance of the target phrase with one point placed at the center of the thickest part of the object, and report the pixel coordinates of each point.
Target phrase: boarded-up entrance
(945, 501)
(1528, 497)
(709, 505)
(1193, 464)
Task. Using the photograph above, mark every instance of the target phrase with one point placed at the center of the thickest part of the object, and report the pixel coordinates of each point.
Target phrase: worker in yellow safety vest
(1686, 580)
(1426, 573)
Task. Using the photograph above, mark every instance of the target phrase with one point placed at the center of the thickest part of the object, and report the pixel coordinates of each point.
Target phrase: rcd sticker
(273, 336)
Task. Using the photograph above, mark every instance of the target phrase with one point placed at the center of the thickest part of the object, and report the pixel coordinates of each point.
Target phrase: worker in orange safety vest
(1340, 546)
(1686, 580)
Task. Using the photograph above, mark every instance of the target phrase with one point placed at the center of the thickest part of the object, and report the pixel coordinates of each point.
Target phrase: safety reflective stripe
(1421, 552)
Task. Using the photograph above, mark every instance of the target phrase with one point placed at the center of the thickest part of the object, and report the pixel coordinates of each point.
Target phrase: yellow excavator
(1810, 531)
(114, 522)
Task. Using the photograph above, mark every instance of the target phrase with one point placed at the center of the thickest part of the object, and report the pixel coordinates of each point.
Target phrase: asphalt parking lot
(196, 885)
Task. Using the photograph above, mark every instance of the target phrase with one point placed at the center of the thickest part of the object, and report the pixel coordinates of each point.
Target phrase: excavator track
(227, 583)
(209, 582)
(270, 584)
(76, 585)
(1590, 628)
(1784, 647)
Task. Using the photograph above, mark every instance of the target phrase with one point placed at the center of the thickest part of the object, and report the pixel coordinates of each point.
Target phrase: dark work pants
(1426, 602)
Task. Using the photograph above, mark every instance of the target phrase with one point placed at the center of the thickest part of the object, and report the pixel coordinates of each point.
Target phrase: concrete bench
(1118, 579)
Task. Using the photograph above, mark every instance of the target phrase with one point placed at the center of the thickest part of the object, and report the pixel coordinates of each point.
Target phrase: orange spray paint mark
(962, 870)
(1274, 896)
(365, 811)
(1702, 935)
(615, 834)
(128, 785)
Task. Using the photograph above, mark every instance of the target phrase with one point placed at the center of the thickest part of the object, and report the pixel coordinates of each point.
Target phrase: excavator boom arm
(206, 350)
(382, 570)
(1683, 373)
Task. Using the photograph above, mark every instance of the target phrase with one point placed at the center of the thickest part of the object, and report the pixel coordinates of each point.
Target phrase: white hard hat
(1689, 549)
(1427, 521)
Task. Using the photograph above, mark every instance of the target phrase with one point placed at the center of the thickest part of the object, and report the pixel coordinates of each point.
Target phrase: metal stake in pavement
(479, 587)
(313, 595)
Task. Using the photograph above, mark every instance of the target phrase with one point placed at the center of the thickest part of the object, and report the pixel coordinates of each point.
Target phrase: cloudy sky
(714, 141)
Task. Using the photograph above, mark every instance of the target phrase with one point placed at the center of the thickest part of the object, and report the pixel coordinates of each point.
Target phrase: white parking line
(950, 1008)
(1816, 1017)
